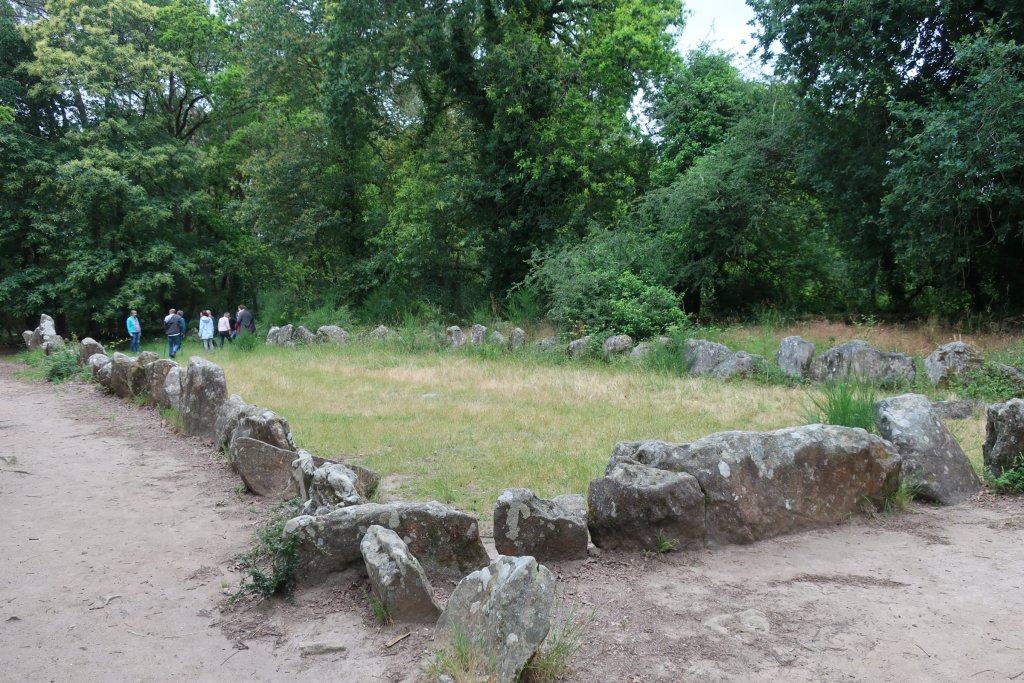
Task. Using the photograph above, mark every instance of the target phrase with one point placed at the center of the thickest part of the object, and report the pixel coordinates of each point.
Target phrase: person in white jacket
(206, 330)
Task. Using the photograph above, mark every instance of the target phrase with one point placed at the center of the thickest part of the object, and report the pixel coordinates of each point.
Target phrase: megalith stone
(958, 409)
(330, 486)
(27, 338)
(641, 351)
(172, 387)
(331, 334)
(397, 578)
(638, 507)
(456, 337)
(103, 372)
(506, 607)
(476, 334)
(380, 333)
(517, 339)
(266, 426)
(203, 390)
(284, 335)
(546, 344)
(702, 356)
(305, 465)
(272, 334)
(739, 364)
(496, 338)
(156, 379)
(578, 347)
(859, 360)
(933, 461)
(147, 357)
(52, 345)
(951, 360)
(546, 529)
(1004, 436)
(301, 335)
(46, 326)
(443, 539)
(127, 377)
(228, 414)
(265, 469)
(794, 356)
(617, 344)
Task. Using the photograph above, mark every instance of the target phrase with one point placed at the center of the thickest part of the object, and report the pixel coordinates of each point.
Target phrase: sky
(723, 23)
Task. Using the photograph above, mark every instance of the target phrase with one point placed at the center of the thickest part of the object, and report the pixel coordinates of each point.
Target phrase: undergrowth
(845, 403)
(1011, 480)
(270, 564)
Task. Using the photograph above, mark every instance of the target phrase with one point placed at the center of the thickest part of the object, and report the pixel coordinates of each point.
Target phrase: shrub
(1011, 480)
(989, 383)
(846, 403)
(246, 342)
(270, 564)
(62, 364)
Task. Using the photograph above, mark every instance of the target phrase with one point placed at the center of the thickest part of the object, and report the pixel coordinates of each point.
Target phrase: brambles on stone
(270, 565)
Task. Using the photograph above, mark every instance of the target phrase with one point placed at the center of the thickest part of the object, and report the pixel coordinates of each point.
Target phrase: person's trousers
(223, 336)
(173, 344)
(136, 342)
(208, 344)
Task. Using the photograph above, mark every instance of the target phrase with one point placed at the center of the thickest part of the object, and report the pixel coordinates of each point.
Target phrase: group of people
(226, 328)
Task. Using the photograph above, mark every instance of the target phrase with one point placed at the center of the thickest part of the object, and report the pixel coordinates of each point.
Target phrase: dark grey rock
(618, 344)
(300, 335)
(546, 529)
(265, 470)
(859, 360)
(958, 410)
(951, 360)
(397, 578)
(546, 344)
(794, 356)
(1004, 436)
(702, 356)
(127, 377)
(156, 379)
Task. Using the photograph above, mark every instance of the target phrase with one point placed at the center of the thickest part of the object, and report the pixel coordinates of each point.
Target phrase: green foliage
(1011, 480)
(381, 613)
(172, 417)
(270, 564)
(246, 342)
(463, 660)
(992, 383)
(900, 499)
(849, 403)
(553, 661)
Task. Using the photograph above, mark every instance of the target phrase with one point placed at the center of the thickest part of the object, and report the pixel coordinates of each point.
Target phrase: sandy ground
(120, 541)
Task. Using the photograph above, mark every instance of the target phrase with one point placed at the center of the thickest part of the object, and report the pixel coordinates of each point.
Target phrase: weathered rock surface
(52, 345)
(281, 336)
(306, 464)
(147, 357)
(127, 377)
(578, 347)
(507, 607)
(794, 356)
(266, 426)
(230, 412)
(301, 335)
(951, 360)
(739, 364)
(476, 334)
(641, 351)
(761, 484)
(397, 578)
(933, 461)
(380, 333)
(265, 470)
(156, 379)
(330, 486)
(103, 373)
(331, 334)
(203, 390)
(44, 332)
(702, 356)
(637, 507)
(517, 339)
(1004, 436)
(172, 387)
(958, 410)
(443, 539)
(456, 337)
(546, 344)
(496, 338)
(546, 529)
(617, 344)
(272, 334)
(859, 360)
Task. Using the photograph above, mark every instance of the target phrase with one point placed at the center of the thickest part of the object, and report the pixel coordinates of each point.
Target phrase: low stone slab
(264, 469)
(702, 356)
(546, 529)
(1004, 436)
(301, 335)
(156, 377)
(203, 390)
(578, 347)
(958, 410)
(264, 425)
(331, 334)
(397, 578)
(617, 344)
(794, 356)
(443, 539)
(380, 333)
(739, 364)
(859, 360)
(933, 461)
(127, 377)
(88, 348)
(328, 487)
(506, 607)
(306, 463)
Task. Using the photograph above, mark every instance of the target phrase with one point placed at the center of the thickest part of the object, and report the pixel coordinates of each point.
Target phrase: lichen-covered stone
(951, 360)
(456, 337)
(203, 391)
(127, 377)
(702, 356)
(859, 360)
(517, 339)
(266, 426)
(397, 578)
(88, 348)
(156, 379)
(617, 344)
(578, 347)
(794, 356)
(476, 334)
(546, 529)
(1004, 436)
(331, 334)
(265, 469)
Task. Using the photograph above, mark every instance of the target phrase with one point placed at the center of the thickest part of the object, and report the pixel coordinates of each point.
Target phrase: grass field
(461, 426)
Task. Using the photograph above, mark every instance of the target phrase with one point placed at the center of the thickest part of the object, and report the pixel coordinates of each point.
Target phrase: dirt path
(120, 539)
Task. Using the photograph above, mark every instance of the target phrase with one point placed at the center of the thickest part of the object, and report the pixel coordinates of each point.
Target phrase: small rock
(396, 577)
(380, 333)
(794, 356)
(321, 648)
(331, 334)
(1004, 436)
(496, 338)
(546, 529)
(578, 347)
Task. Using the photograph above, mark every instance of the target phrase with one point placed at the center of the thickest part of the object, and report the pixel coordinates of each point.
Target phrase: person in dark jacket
(246, 323)
(173, 325)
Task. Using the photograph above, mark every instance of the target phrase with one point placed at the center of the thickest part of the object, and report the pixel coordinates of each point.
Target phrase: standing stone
(284, 335)
(1004, 436)
(577, 348)
(951, 360)
(476, 334)
(272, 334)
(172, 386)
(641, 351)
(456, 336)
(27, 337)
(739, 364)
(52, 345)
(331, 334)
(506, 607)
(103, 372)
(397, 578)
(380, 333)
(496, 338)
(97, 362)
(933, 461)
(546, 344)
(228, 415)
(127, 377)
(303, 336)
(859, 360)
(794, 356)
(46, 326)
(637, 507)
(147, 357)
(702, 356)
(330, 486)
(156, 379)
(265, 470)
(546, 529)
(618, 344)
(517, 339)
(266, 426)
(203, 391)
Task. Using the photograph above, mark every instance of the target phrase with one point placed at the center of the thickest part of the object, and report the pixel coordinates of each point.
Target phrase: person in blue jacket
(206, 329)
(134, 331)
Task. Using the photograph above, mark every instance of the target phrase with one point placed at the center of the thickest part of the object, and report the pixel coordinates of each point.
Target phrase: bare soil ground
(120, 542)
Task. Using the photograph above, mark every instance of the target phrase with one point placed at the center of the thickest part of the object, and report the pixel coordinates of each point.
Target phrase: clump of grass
(270, 564)
(900, 499)
(172, 417)
(553, 661)
(845, 403)
(246, 343)
(380, 610)
(463, 661)
(990, 382)
(1011, 480)
(664, 544)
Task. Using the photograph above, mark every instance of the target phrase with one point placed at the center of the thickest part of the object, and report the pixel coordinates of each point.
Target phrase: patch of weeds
(246, 343)
(845, 403)
(900, 499)
(380, 611)
(240, 490)
(991, 383)
(463, 661)
(442, 488)
(1011, 480)
(664, 544)
(553, 660)
(172, 417)
(141, 399)
(270, 565)
(62, 365)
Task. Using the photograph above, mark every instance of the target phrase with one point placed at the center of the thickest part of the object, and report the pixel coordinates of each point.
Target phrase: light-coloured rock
(147, 357)
(156, 379)
(456, 337)
(476, 334)
(104, 374)
(546, 529)
(266, 426)
(517, 339)
(331, 334)
(933, 461)
(702, 356)
(578, 347)
(265, 470)
(305, 465)
(127, 377)
(27, 337)
(443, 539)
(203, 390)
(272, 334)
(380, 333)
(97, 361)
(46, 326)
(951, 360)
(282, 336)
(618, 344)
(859, 360)
(546, 344)
(739, 364)
(301, 335)
(172, 387)
(506, 607)
(228, 415)
(958, 410)
(329, 487)
(794, 356)
(641, 351)
(1004, 436)
(496, 338)
(397, 578)
(52, 345)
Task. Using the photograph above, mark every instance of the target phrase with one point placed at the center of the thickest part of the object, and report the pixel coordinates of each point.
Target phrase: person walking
(135, 331)
(246, 323)
(224, 329)
(206, 330)
(172, 328)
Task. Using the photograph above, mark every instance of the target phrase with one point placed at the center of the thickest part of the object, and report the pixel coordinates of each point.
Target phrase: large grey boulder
(156, 379)
(546, 529)
(506, 608)
(702, 356)
(331, 334)
(127, 377)
(44, 332)
(283, 336)
(147, 357)
(397, 578)
(443, 539)
(1004, 436)
(230, 412)
(100, 365)
(52, 345)
(301, 335)
(272, 334)
(739, 364)
(794, 356)
(859, 360)
(266, 426)
(264, 469)
(578, 347)
(951, 360)
(380, 333)
(761, 484)
(172, 387)
(933, 461)
(476, 334)
(456, 337)
(958, 409)
(617, 344)
(203, 390)
(635, 507)
(46, 326)
(546, 344)
(517, 339)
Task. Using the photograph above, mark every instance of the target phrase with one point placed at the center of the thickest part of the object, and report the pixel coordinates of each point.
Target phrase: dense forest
(539, 158)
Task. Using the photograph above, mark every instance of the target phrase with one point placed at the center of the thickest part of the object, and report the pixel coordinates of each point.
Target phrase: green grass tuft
(845, 403)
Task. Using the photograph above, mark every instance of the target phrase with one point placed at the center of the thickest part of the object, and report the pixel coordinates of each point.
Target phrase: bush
(1011, 480)
(62, 365)
(246, 342)
(848, 403)
(270, 564)
(990, 383)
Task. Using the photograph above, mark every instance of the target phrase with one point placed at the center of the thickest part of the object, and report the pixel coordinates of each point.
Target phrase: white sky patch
(725, 25)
